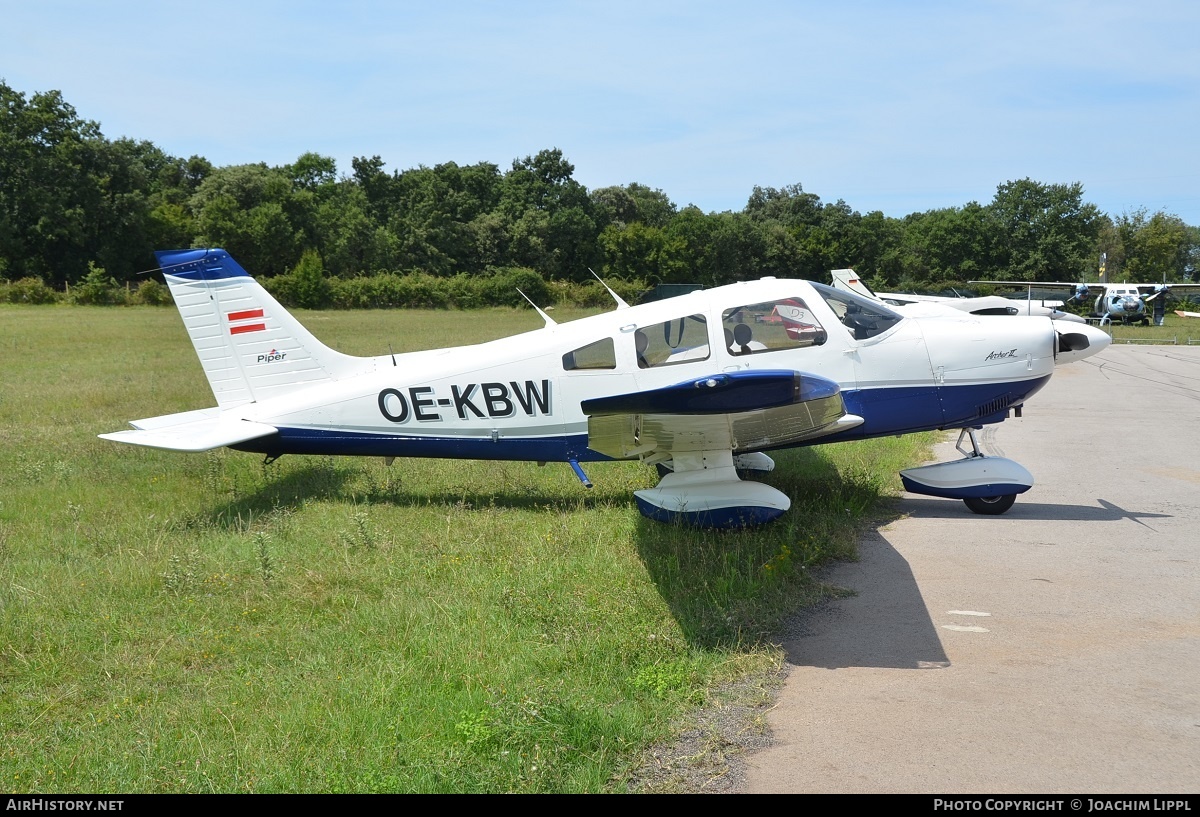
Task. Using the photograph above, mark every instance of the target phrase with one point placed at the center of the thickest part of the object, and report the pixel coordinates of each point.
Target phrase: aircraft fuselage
(520, 397)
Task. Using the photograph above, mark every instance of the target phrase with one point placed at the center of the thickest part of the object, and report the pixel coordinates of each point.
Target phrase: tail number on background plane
(473, 400)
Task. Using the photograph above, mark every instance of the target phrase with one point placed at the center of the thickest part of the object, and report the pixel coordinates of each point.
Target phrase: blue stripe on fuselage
(907, 409)
(885, 411)
(365, 444)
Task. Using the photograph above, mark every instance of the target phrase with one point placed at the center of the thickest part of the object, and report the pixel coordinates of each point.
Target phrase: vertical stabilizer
(848, 280)
(251, 348)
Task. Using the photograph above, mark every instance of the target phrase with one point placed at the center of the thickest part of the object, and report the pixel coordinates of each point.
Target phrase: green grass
(208, 623)
(1175, 330)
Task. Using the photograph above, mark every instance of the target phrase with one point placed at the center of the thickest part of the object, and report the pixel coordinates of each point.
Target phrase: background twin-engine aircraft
(1114, 303)
(700, 385)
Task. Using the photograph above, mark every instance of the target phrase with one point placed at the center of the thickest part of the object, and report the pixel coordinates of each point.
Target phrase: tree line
(77, 208)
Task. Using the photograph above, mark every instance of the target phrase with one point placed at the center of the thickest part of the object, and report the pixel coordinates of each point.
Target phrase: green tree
(638, 251)
(690, 234)
(801, 237)
(549, 216)
(614, 206)
(790, 206)
(654, 208)
(46, 153)
(1155, 248)
(631, 204)
(170, 223)
(310, 289)
(881, 242)
(433, 212)
(97, 288)
(717, 248)
(376, 186)
(346, 235)
(951, 245)
(69, 197)
(244, 209)
(1193, 263)
(312, 171)
(1046, 232)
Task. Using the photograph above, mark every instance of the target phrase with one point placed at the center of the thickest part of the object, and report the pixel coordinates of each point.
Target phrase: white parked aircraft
(848, 280)
(1114, 303)
(701, 384)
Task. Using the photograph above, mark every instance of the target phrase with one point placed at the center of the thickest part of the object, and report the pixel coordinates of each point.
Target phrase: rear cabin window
(771, 325)
(599, 355)
(682, 340)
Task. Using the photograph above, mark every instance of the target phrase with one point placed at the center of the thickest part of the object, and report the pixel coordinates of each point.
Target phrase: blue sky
(894, 106)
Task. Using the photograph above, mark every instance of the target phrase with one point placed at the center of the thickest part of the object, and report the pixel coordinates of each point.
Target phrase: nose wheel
(990, 505)
(986, 505)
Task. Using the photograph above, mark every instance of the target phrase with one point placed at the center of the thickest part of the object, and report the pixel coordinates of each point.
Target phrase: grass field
(1175, 330)
(208, 623)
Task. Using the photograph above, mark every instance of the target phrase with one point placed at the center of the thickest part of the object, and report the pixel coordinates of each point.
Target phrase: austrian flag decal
(248, 320)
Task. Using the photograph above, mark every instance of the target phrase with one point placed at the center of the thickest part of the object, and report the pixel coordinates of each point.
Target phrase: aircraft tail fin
(848, 280)
(251, 348)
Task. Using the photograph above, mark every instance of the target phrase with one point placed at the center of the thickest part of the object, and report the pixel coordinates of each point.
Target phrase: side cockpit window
(771, 325)
(864, 317)
(682, 340)
(599, 355)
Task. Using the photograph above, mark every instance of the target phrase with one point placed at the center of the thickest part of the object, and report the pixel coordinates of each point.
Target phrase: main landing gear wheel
(991, 505)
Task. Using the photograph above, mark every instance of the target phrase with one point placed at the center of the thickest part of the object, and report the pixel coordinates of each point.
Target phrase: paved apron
(1054, 649)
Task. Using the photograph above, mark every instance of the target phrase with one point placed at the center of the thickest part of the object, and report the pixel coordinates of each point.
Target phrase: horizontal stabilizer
(193, 431)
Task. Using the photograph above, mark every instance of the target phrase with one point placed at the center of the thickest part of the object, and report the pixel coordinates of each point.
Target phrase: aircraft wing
(191, 431)
(1151, 290)
(1035, 284)
(1154, 290)
(732, 411)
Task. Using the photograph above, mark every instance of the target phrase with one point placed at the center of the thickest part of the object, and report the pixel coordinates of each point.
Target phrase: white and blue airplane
(700, 385)
(912, 304)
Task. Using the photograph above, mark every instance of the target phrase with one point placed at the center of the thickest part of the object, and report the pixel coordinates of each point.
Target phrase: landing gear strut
(986, 505)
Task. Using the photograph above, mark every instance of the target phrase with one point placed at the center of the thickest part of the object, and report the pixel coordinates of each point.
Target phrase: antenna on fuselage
(549, 321)
(620, 301)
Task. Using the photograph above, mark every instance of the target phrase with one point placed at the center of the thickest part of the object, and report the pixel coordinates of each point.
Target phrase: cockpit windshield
(862, 316)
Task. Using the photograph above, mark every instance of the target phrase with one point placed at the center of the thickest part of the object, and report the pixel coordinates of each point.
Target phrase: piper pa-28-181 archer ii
(700, 385)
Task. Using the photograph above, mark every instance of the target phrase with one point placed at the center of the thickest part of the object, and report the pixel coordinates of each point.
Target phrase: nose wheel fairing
(986, 484)
(968, 478)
